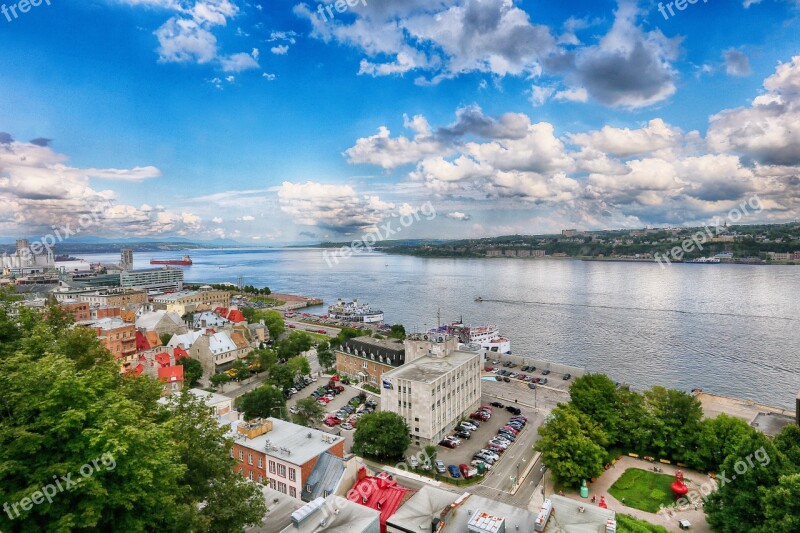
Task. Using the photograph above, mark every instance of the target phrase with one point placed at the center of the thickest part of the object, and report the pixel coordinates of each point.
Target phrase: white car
(490, 453)
(477, 462)
(499, 443)
(413, 462)
(453, 439)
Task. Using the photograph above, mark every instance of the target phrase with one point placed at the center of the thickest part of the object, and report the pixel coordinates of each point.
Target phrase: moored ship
(186, 261)
(486, 336)
(354, 312)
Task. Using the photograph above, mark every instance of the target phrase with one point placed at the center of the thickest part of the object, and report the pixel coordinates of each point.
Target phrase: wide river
(728, 329)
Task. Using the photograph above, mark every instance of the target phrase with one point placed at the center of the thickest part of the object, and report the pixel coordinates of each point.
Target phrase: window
(272, 467)
(250, 459)
(241, 455)
(231, 453)
(282, 471)
(291, 474)
(250, 475)
(292, 492)
(260, 478)
(282, 487)
(261, 462)
(416, 419)
(364, 364)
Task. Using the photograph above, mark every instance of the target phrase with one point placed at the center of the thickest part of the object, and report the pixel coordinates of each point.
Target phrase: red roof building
(171, 377)
(180, 353)
(381, 493)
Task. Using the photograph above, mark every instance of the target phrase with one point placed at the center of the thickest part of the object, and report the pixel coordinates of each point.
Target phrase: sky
(272, 122)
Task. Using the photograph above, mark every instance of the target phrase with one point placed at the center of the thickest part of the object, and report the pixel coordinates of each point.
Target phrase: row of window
(281, 487)
(274, 468)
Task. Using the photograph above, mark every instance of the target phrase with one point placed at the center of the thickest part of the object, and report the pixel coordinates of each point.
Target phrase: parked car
(520, 417)
(454, 472)
(453, 439)
(496, 449)
(507, 380)
(477, 463)
(514, 410)
(447, 443)
(413, 462)
(479, 416)
(467, 471)
(440, 467)
(543, 381)
(545, 372)
(513, 375)
(464, 435)
(531, 385)
(347, 426)
(536, 379)
(469, 426)
(490, 454)
(499, 443)
(524, 368)
(566, 377)
(497, 404)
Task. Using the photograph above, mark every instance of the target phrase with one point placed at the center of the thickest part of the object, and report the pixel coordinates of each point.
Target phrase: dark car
(464, 435)
(525, 368)
(543, 381)
(447, 443)
(545, 372)
(513, 410)
(497, 404)
(566, 377)
(507, 364)
(531, 385)
(536, 380)
(454, 472)
(507, 380)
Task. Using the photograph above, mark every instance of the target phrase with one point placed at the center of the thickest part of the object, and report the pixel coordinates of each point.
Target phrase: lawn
(629, 524)
(643, 490)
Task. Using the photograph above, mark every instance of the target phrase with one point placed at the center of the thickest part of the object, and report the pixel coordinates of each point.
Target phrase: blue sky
(264, 123)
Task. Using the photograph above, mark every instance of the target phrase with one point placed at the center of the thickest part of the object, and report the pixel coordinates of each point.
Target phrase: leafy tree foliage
(264, 402)
(299, 366)
(718, 438)
(383, 435)
(325, 356)
(572, 446)
(192, 371)
(296, 343)
(673, 422)
(782, 506)
(219, 379)
(281, 377)
(309, 413)
(398, 331)
(65, 405)
(595, 395)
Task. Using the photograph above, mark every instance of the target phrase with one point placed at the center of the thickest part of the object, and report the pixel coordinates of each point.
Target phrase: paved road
(313, 328)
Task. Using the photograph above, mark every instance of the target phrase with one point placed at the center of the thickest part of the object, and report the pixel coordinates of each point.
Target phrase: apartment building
(119, 338)
(279, 453)
(365, 359)
(79, 310)
(216, 351)
(163, 279)
(120, 299)
(184, 302)
(433, 391)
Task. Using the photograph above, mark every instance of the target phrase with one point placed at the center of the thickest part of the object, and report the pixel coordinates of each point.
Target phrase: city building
(432, 392)
(79, 310)
(187, 302)
(216, 350)
(221, 404)
(26, 260)
(126, 259)
(279, 453)
(381, 493)
(119, 338)
(334, 514)
(113, 298)
(162, 322)
(152, 279)
(365, 359)
(569, 232)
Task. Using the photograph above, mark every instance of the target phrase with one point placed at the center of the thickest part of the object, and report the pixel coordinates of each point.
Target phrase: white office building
(439, 384)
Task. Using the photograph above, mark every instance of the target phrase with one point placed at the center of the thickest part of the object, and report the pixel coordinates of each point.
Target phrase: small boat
(478, 299)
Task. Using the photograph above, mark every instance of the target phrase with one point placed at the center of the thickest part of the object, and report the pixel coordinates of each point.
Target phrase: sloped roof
(171, 373)
(187, 339)
(324, 477)
(379, 493)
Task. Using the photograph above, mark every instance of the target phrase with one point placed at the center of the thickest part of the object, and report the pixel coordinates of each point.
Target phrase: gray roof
(428, 369)
(279, 511)
(567, 518)
(419, 511)
(324, 477)
(340, 516)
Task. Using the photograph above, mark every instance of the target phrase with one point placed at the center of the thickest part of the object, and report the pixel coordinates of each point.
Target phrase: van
(684, 524)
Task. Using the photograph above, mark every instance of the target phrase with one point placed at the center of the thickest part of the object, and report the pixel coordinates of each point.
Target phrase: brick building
(365, 359)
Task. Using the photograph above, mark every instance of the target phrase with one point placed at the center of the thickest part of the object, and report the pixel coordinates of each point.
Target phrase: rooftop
(380, 493)
(428, 369)
(339, 515)
(324, 477)
(279, 511)
(211, 398)
(288, 442)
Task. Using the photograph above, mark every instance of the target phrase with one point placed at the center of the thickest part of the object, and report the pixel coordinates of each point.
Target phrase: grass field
(643, 490)
(629, 524)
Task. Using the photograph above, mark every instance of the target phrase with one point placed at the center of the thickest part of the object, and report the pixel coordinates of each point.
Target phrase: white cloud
(238, 62)
(280, 49)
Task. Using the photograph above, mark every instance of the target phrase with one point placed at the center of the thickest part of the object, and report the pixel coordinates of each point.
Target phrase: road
(330, 331)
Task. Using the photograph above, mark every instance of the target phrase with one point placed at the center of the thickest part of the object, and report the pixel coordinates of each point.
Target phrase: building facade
(119, 338)
(192, 301)
(433, 391)
(163, 279)
(365, 359)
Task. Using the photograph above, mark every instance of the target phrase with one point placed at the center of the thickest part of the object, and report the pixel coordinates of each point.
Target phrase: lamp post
(544, 482)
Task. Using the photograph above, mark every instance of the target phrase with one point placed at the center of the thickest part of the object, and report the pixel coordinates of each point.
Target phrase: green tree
(274, 322)
(325, 355)
(309, 413)
(219, 379)
(674, 422)
(383, 435)
(266, 359)
(718, 438)
(782, 506)
(264, 402)
(242, 372)
(282, 377)
(296, 343)
(572, 446)
(165, 338)
(398, 331)
(595, 395)
(738, 504)
(192, 371)
(299, 366)
(788, 443)
(249, 314)
(631, 432)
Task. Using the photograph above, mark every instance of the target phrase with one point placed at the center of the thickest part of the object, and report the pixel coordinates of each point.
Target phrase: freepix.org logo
(12, 12)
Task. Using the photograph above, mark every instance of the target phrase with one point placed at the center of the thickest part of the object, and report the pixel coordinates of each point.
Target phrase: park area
(643, 490)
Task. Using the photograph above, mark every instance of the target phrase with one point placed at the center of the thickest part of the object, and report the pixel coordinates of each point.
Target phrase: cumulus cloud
(338, 208)
(458, 215)
(736, 63)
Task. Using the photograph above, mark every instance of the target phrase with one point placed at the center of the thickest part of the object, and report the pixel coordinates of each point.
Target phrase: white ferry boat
(705, 260)
(354, 312)
(487, 337)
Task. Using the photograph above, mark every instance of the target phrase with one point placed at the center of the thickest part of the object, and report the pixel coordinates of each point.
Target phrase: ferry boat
(354, 312)
(705, 260)
(186, 261)
(487, 337)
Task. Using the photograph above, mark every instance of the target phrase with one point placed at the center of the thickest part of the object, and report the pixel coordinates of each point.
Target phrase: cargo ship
(186, 261)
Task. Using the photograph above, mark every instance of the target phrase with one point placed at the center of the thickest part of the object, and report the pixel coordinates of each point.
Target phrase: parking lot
(508, 372)
(512, 462)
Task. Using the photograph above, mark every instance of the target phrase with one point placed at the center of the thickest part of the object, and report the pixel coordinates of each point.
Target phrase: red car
(479, 416)
(496, 449)
(512, 430)
(487, 408)
(467, 471)
(291, 326)
(447, 443)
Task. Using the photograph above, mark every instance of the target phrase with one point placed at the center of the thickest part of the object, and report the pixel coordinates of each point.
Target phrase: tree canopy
(264, 402)
(383, 435)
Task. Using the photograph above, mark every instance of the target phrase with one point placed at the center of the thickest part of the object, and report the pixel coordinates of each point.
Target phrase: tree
(430, 453)
(398, 331)
(192, 371)
(219, 379)
(274, 322)
(718, 438)
(299, 366)
(383, 435)
(782, 506)
(674, 422)
(309, 413)
(297, 343)
(788, 443)
(282, 377)
(325, 355)
(595, 395)
(266, 359)
(165, 338)
(572, 446)
(738, 503)
(264, 402)
(68, 413)
(242, 372)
